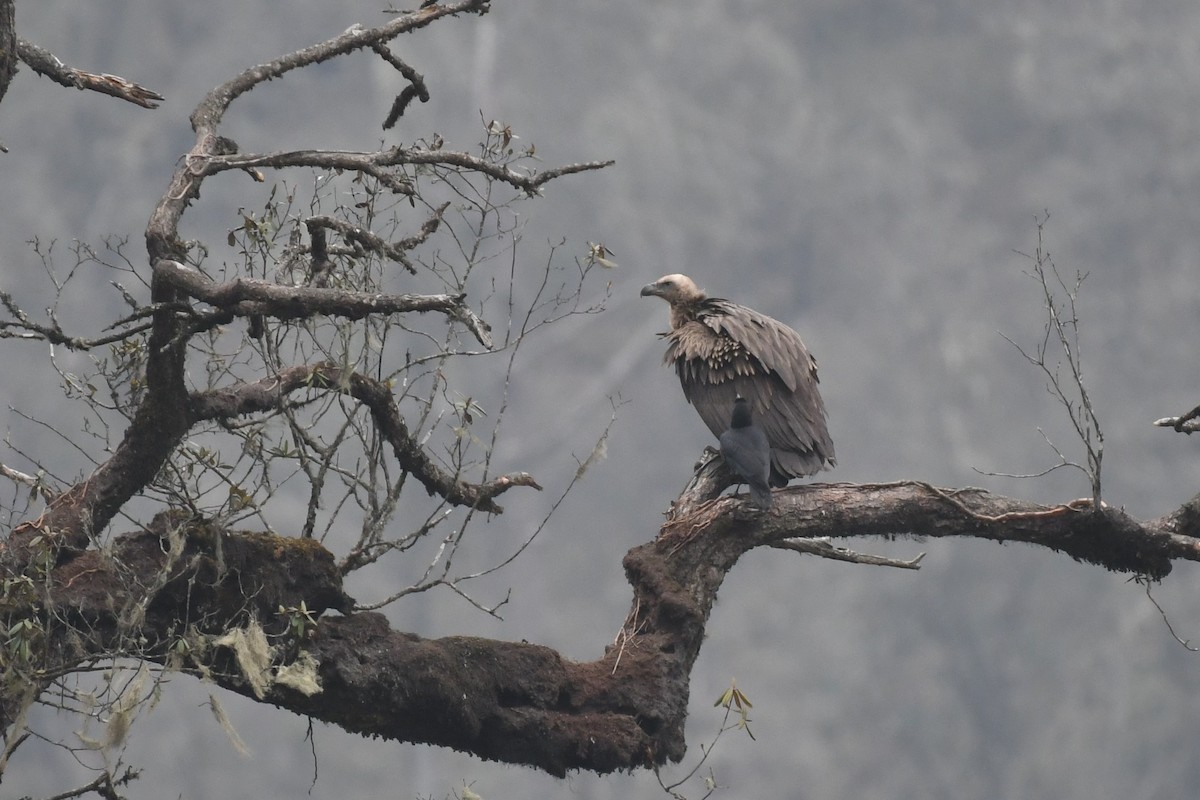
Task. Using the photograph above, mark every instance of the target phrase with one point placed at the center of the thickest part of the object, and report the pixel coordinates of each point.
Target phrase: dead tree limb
(45, 63)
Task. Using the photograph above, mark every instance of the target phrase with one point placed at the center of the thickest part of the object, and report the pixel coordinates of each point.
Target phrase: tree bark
(8, 45)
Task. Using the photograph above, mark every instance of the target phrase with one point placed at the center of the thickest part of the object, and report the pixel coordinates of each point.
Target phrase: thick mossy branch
(504, 701)
(152, 589)
(516, 702)
(1107, 537)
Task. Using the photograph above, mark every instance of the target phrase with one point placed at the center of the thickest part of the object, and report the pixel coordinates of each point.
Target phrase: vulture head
(678, 290)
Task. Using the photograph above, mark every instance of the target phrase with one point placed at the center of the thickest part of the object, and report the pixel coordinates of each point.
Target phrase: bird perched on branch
(746, 450)
(722, 350)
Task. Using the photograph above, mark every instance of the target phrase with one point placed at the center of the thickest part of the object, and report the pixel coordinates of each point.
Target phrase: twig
(1063, 325)
(826, 549)
(628, 633)
(1145, 581)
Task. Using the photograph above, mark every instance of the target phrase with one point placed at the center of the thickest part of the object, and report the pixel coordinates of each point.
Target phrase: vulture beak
(650, 289)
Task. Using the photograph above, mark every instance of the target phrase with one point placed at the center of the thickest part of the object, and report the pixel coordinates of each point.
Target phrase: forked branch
(1187, 423)
(245, 297)
(269, 394)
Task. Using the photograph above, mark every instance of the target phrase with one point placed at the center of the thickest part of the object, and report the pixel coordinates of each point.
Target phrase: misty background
(861, 170)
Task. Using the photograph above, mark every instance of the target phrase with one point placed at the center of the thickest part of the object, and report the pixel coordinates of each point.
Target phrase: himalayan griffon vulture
(722, 351)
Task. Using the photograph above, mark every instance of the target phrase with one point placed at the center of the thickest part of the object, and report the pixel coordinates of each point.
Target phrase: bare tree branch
(245, 297)
(1187, 423)
(54, 334)
(36, 483)
(161, 233)
(416, 89)
(368, 240)
(43, 62)
(267, 395)
(376, 162)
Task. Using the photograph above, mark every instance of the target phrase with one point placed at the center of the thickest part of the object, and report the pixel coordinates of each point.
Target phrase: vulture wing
(728, 350)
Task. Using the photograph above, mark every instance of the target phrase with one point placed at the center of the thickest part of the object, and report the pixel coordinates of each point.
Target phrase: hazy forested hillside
(863, 171)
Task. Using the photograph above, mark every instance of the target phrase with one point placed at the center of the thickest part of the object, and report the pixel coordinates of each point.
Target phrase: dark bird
(722, 350)
(746, 450)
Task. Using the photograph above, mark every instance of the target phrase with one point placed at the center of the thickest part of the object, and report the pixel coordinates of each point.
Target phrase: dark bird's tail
(761, 496)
